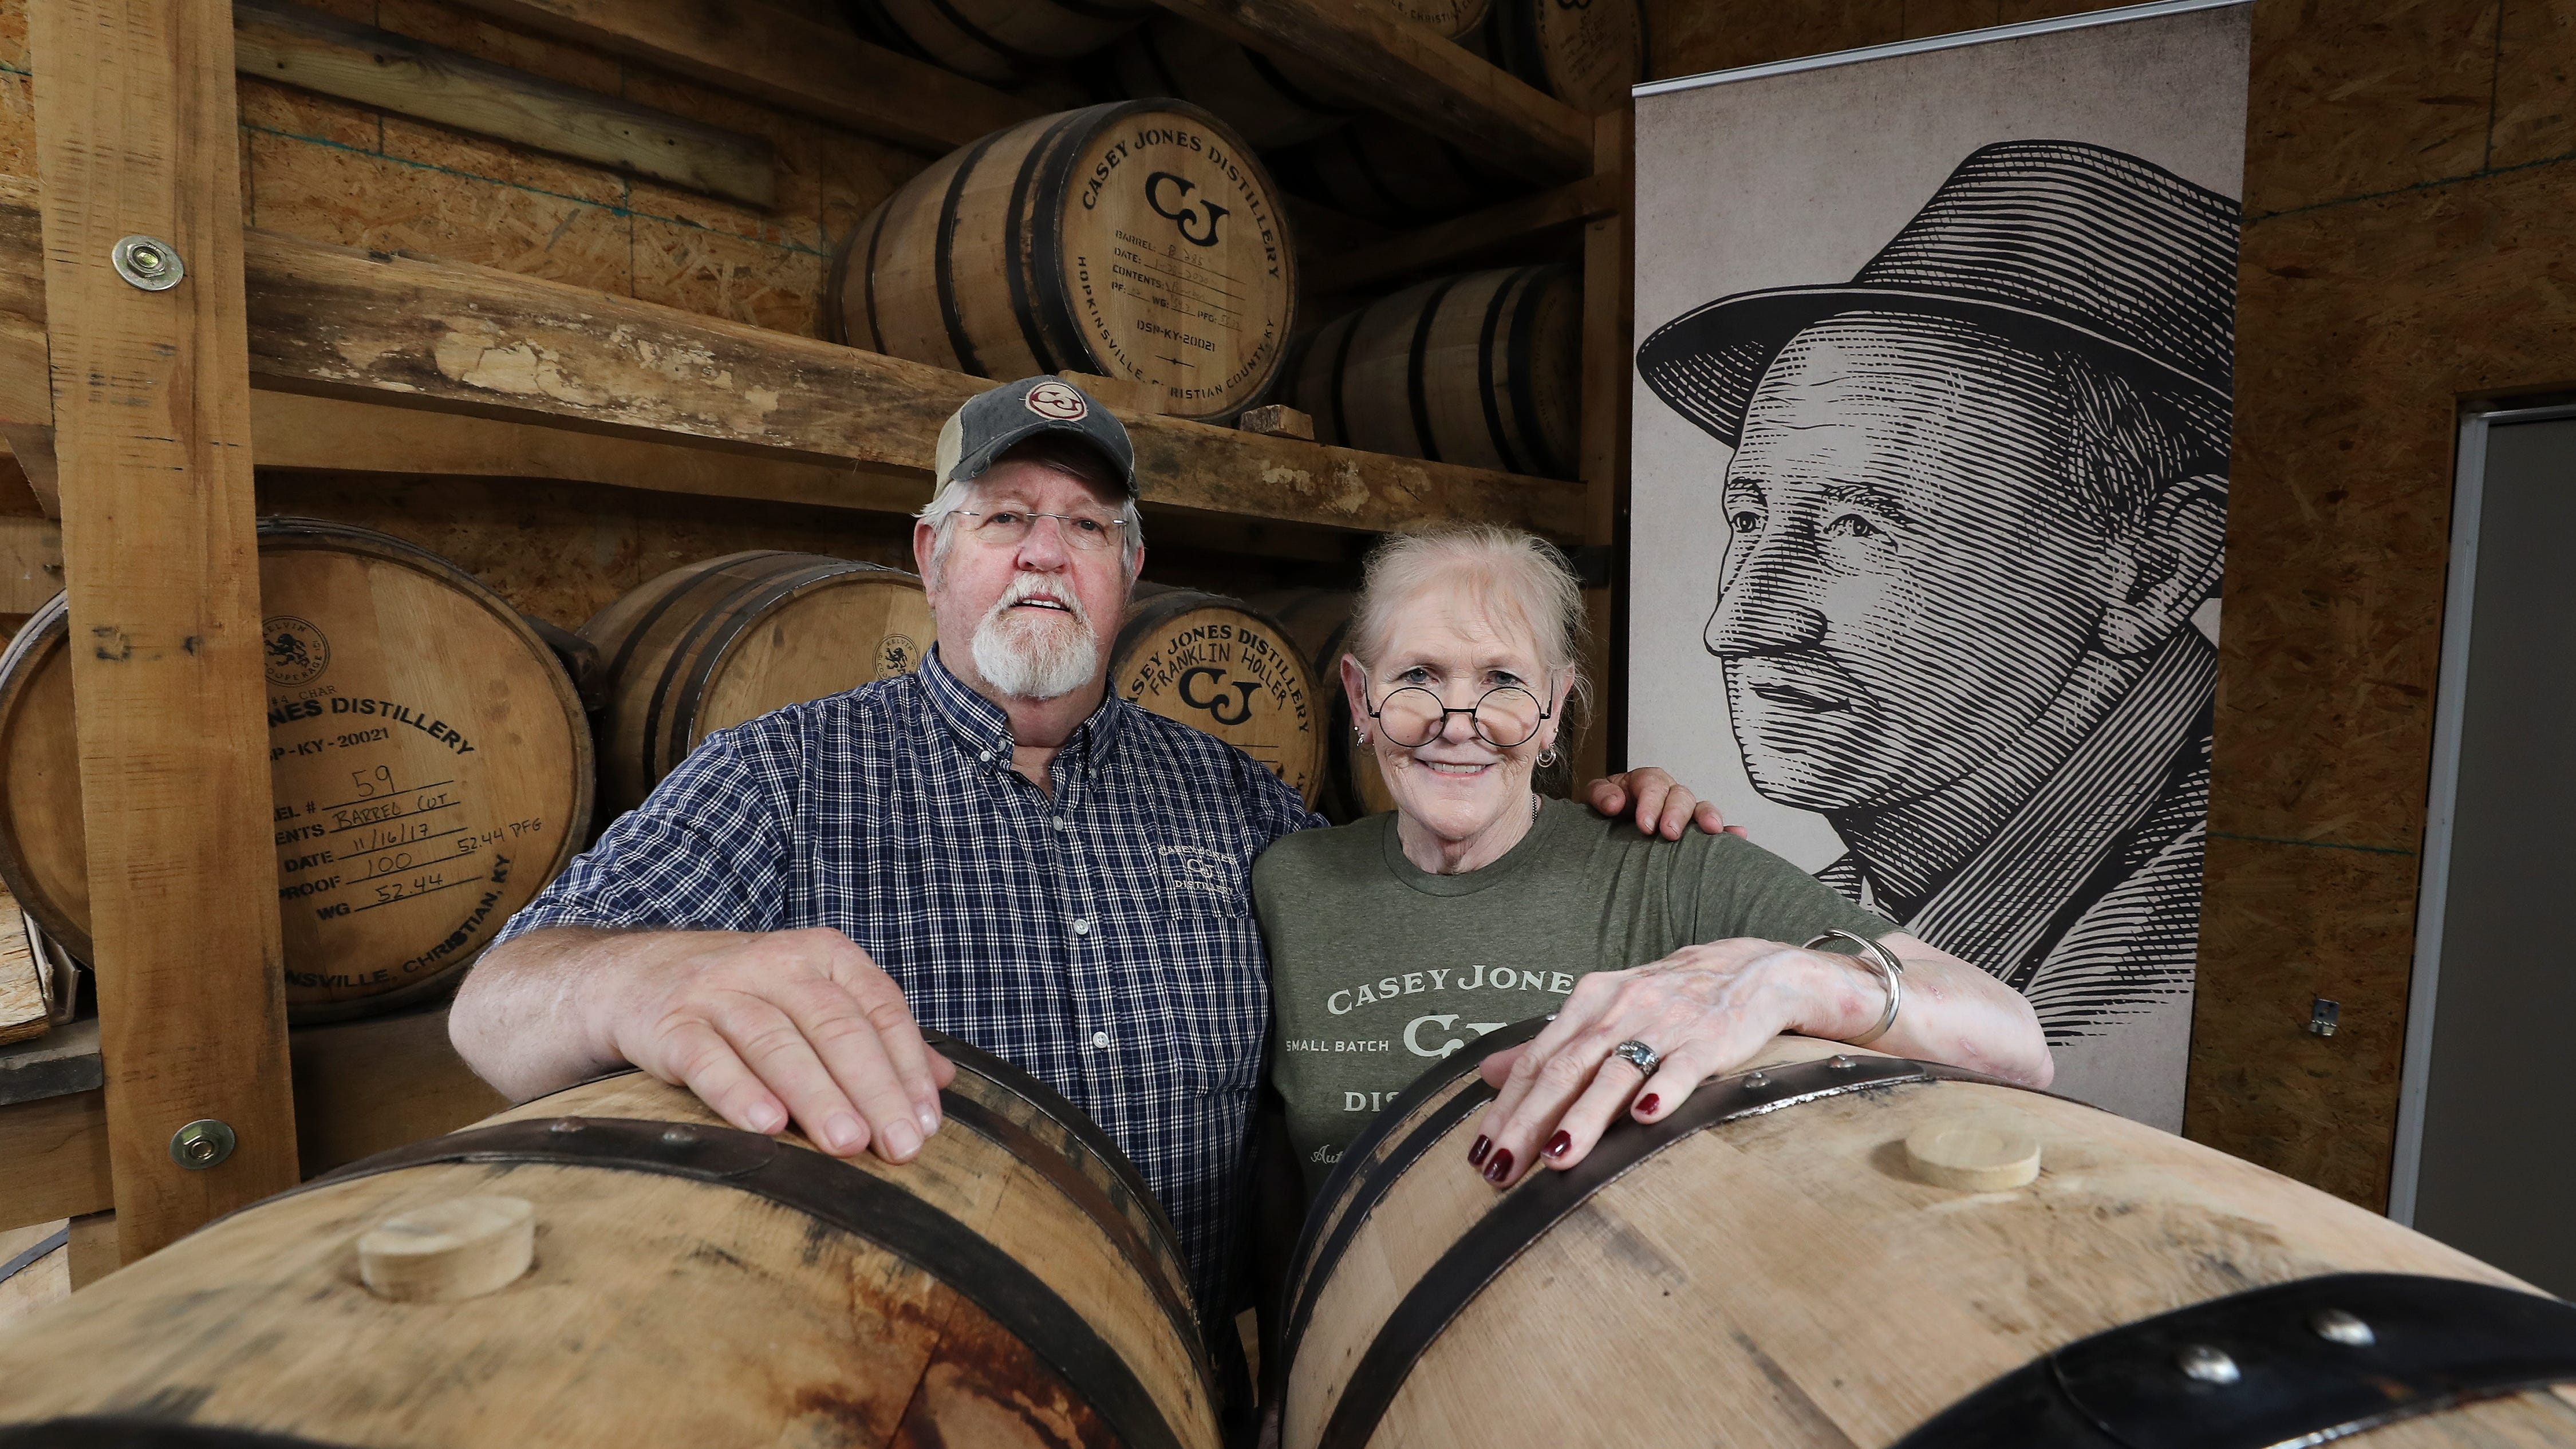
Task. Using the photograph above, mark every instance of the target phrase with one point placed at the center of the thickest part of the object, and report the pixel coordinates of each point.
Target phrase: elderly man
(1975, 498)
(990, 846)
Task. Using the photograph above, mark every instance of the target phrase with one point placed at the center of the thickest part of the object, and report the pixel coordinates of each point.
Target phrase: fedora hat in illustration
(2052, 243)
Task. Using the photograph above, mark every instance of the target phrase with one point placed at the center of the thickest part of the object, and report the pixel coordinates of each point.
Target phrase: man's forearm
(538, 1012)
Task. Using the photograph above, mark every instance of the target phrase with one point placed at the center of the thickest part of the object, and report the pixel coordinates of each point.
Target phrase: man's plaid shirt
(1102, 940)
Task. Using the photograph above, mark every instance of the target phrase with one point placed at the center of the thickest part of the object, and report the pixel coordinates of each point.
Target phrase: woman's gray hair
(1517, 578)
(941, 511)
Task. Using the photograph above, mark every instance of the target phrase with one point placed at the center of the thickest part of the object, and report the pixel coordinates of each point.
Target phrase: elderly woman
(1395, 940)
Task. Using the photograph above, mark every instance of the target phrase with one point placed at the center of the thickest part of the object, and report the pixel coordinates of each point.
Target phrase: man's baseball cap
(992, 423)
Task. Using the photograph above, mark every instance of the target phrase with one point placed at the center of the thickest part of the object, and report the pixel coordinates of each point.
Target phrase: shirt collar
(985, 730)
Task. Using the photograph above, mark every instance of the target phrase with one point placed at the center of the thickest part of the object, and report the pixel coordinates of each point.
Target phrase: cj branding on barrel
(1183, 279)
(1235, 684)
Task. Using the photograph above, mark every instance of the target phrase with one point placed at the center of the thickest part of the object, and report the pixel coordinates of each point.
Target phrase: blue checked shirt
(1102, 940)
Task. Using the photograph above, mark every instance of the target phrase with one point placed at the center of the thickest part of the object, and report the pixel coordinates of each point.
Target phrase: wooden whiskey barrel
(1776, 1257)
(1391, 173)
(999, 41)
(714, 643)
(1136, 240)
(1216, 664)
(692, 1284)
(1586, 55)
(429, 761)
(1483, 369)
(1268, 100)
(1318, 622)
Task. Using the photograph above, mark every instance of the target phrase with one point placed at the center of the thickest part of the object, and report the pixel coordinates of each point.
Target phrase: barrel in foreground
(691, 1284)
(1781, 1258)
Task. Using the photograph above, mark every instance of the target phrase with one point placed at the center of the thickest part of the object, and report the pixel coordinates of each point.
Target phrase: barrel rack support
(137, 137)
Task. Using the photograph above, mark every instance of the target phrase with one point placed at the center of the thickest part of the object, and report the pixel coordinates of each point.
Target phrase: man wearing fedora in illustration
(1975, 497)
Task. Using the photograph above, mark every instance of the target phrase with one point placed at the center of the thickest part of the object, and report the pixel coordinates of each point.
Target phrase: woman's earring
(1360, 736)
(1547, 758)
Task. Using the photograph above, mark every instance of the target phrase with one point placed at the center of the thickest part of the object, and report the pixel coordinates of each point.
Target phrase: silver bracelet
(1889, 969)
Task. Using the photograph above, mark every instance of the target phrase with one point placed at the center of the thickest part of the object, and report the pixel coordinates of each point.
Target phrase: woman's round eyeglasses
(1413, 715)
(1007, 527)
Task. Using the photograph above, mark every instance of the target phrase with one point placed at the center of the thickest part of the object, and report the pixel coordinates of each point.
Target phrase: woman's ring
(1639, 1055)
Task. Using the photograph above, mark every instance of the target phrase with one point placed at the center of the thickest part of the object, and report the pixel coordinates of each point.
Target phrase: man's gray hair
(941, 514)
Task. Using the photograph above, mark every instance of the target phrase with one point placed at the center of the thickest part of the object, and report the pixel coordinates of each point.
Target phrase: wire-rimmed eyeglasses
(1413, 715)
(1007, 527)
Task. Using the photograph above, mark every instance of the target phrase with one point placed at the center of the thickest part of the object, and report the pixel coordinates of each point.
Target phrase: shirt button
(986, 757)
(1062, 825)
(1100, 1039)
(1082, 928)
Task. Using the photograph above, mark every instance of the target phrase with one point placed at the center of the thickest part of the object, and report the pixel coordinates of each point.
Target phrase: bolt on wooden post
(137, 141)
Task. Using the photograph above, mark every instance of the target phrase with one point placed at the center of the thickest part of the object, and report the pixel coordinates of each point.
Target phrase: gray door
(2496, 1174)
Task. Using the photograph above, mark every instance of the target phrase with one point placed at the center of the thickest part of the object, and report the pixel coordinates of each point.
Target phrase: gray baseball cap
(993, 422)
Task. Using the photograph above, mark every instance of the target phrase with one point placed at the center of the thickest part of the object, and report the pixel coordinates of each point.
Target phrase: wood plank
(1609, 324)
(24, 1012)
(768, 54)
(1412, 73)
(136, 133)
(319, 52)
(454, 338)
(307, 432)
(56, 1148)
(1414, 252)
(560, 382)
(64, 1061)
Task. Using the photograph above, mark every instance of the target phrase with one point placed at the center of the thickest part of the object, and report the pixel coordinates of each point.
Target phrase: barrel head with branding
(1137, 240)
(1217, 665)
(1176, 261)
(428, 757)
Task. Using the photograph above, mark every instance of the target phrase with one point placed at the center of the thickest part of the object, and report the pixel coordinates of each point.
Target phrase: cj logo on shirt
(1413, 1034)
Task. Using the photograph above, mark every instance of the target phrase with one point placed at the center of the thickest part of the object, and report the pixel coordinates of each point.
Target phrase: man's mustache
(1809, 680)
(1025, 586)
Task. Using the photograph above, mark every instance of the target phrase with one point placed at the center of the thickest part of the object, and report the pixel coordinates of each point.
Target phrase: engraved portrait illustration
(1973, 497)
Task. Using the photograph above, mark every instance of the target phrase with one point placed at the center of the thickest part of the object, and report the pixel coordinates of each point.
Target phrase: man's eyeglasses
(1007, 527)
(1413, 715)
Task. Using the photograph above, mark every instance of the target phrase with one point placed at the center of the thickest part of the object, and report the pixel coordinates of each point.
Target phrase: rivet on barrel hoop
(2336, 1326)
(2207, 1364)
(566, 1124)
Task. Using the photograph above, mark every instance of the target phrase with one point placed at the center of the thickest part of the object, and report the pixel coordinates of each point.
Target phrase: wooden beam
(755, 50)
(299, 47)
(1609, 328)
(56, 1148)
(136, 132)
(340, 435)
(1434, 246)
(453, 338)
(1412, 73)
(553, 381)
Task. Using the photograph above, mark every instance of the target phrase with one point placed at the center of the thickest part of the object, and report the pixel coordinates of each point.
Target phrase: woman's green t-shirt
(1379, 968)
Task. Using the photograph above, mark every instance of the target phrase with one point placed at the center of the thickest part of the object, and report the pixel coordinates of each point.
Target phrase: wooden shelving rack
(148, 410)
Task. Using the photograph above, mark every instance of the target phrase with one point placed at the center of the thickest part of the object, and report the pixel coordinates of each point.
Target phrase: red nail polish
(1560, 1144)
(1476, 1154)
(1647, 1103)
(1500, 1167)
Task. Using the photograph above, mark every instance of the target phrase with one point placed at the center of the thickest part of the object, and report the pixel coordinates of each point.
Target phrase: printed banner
(1931, 491)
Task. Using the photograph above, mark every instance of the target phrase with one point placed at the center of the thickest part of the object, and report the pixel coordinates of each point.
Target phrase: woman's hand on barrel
(1705, 1009)
(771, 1026)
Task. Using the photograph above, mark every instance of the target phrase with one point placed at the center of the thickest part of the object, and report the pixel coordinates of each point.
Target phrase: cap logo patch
(1057, 401)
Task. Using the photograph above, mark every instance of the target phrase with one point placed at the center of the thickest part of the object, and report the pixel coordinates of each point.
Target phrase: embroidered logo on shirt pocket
(1197, 879)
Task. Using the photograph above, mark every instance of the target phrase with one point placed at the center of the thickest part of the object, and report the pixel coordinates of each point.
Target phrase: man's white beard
(1031, 653)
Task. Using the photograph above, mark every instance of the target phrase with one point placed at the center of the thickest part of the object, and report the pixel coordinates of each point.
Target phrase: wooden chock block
(1277, 420)
(464, 1247)
(1974, 1153)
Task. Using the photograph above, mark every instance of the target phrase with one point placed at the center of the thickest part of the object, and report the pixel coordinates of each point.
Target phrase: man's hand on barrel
(769, 1026)
(1704, 1009)
(1662, 805)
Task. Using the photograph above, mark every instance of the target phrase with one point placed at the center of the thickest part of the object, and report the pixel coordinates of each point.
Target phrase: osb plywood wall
(2410, 241)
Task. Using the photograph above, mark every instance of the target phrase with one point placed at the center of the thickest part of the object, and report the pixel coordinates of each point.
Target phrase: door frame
(2450, 690)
